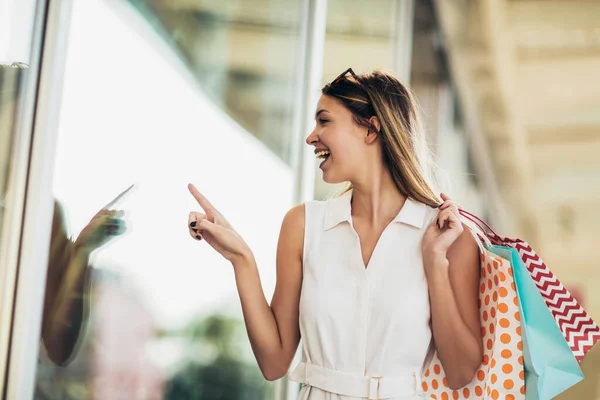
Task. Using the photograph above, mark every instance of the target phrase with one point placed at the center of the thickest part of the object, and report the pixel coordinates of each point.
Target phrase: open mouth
(323, 155)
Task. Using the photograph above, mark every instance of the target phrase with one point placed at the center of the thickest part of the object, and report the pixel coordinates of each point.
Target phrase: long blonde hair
(405, 149)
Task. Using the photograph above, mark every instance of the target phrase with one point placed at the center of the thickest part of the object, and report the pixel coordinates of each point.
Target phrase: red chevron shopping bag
(577, 327)
(501, 374)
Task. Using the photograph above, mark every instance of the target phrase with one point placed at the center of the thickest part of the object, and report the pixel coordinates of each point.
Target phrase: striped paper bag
(576, 325)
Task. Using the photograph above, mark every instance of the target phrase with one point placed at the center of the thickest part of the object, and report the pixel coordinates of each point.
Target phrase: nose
(312, 138)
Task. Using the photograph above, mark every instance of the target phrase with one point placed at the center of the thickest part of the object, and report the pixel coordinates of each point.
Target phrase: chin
(332, 179)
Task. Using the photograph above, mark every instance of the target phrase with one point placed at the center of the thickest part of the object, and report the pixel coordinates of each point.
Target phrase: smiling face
(339, 141)
(371, 126)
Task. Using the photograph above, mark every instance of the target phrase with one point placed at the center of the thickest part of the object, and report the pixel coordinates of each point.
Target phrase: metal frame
(310, 77)
(15, 199)
(404, 14)
(37, 220)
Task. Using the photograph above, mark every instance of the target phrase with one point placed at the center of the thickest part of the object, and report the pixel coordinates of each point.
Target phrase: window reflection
(163, 319)
(221, 375)
(67, 287)
(242, 53)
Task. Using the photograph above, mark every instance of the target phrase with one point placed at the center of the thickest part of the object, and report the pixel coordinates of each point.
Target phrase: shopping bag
(576, 326)
(550, 366)
(501, 374)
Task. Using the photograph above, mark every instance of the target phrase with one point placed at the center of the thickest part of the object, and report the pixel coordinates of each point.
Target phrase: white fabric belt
(353, 385)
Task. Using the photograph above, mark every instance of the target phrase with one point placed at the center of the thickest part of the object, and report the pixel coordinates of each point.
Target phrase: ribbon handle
(489, 232)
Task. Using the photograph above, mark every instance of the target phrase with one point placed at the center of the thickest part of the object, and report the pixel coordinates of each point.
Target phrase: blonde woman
(372, 279)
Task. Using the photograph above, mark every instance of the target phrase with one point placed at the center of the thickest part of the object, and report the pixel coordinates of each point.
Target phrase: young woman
(369, 280)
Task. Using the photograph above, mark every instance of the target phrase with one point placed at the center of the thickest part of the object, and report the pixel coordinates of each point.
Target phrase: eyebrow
(321, 111)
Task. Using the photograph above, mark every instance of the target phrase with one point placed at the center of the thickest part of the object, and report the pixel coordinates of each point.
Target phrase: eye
(323, 121)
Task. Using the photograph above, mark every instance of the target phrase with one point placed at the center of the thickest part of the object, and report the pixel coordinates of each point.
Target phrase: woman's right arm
(273, 330)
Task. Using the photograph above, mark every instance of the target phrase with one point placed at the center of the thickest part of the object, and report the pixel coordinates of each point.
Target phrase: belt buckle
(374, 383)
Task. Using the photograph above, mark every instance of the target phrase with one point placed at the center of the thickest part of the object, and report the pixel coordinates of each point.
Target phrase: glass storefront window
(134, 307)
(243, 54)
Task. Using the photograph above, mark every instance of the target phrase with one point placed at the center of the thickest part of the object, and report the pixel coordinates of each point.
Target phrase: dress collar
(340, 209)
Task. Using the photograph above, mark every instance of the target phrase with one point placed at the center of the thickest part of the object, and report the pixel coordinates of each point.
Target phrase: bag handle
(479, 222)
(478, 234)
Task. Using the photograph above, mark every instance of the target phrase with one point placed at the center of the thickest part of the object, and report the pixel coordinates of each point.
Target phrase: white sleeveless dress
(365, 331)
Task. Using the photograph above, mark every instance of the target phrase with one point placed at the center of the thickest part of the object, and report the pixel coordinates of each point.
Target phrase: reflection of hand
(104, 227)
(215, 229)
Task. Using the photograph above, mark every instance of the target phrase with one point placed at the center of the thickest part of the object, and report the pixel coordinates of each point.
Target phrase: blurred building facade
(100, 94)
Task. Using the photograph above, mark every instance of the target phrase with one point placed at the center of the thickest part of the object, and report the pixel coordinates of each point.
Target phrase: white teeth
(323, 154)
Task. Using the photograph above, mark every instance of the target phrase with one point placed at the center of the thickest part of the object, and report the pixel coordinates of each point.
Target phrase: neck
(377, 199)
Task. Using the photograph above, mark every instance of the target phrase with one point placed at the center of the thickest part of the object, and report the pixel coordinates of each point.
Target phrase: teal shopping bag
(550, 366)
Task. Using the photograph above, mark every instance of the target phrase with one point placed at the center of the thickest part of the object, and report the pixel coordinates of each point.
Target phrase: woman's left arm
(452, 262)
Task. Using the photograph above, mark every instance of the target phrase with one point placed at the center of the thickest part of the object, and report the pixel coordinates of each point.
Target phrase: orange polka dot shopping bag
(501, 374)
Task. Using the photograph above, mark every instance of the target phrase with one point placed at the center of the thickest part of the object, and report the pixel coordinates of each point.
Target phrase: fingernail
(195, 230)
(198, 237)
(193, 224)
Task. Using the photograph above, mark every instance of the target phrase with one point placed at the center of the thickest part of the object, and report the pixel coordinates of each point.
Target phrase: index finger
(119, 197)
(203, 201)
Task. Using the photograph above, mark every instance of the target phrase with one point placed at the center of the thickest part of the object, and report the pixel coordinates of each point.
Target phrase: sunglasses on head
(343, 74)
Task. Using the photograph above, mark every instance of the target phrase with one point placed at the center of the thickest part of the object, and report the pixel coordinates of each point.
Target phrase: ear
(372, 136)
(375, 122)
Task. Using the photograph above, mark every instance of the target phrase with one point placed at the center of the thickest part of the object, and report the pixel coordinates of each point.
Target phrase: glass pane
(134, 307)
(242, 53)
(16, 35)
(360, 36)
(17, 18)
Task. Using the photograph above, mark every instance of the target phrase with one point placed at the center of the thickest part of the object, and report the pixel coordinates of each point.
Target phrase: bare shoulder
(292, 230)
(294, 218)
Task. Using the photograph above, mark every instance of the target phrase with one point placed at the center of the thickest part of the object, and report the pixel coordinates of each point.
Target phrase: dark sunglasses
(343, 74)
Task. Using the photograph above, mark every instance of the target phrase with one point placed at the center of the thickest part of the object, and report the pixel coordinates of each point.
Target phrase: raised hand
(214, 228)
(105, 226)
